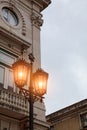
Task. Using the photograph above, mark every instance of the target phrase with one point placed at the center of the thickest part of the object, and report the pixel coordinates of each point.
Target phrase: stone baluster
(14, 99)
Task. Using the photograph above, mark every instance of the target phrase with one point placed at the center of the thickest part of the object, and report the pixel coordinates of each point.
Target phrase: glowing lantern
(20, 71)
(39, 82)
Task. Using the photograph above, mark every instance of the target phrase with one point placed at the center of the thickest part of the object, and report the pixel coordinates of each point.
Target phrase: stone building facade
(73, 117)
(20, 22)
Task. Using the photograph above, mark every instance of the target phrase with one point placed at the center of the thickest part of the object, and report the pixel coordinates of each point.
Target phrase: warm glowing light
(20, 74)
(39, 82)
(21, 70)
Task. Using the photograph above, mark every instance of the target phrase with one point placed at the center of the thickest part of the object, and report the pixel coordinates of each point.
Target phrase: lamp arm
(31, 57)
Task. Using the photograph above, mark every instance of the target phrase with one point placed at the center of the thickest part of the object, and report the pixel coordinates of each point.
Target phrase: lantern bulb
(20, 75)
(40, 85)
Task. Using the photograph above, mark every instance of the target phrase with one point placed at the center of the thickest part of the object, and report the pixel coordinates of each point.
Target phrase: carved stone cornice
(36, 20)
(42, 3)
(12, 41)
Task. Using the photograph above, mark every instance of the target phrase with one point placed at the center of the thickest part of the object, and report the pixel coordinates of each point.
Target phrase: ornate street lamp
(38, 83)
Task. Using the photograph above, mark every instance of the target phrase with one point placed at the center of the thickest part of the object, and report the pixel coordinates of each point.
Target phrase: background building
(20, 22)
(73, 117)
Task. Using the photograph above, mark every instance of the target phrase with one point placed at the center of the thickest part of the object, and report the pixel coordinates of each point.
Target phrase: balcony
(13, 105)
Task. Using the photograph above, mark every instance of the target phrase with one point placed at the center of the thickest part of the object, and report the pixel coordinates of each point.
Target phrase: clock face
(9, 16)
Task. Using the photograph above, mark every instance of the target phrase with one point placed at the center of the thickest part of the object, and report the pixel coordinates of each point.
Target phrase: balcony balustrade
(13, 101)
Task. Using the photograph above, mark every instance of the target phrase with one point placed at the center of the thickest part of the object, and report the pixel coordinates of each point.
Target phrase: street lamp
(37, 85)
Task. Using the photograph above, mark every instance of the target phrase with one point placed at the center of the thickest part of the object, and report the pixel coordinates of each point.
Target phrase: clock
(9, 16)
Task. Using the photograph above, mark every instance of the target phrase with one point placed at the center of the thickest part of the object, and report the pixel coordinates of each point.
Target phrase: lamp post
(37, 84)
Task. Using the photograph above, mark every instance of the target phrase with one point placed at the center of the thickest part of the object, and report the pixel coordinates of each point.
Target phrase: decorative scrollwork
(27, 93)
(36, 20)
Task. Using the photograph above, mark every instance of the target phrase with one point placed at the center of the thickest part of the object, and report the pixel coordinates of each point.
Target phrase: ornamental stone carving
(36, 20)
(23, 26)
(12, 3)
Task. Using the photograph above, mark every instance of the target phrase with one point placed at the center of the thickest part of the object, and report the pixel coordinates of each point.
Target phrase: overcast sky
(64, 52)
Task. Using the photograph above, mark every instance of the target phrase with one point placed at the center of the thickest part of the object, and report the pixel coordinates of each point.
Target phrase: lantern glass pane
(40, 83)
(21, 69)
(21, 74)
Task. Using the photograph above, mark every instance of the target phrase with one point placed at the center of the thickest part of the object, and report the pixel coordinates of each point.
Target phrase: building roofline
(66, 110)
